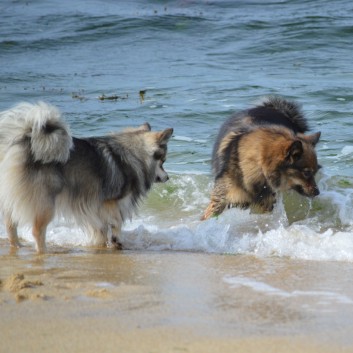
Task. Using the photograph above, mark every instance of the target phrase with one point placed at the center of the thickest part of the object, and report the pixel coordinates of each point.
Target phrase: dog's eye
(307, 173)
(158, 155)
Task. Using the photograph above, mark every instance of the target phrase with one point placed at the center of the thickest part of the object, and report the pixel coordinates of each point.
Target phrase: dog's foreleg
(268, 203)
(11, 228)
(39, 229)
(264, 198)
(100, 235)
(110, 214)
(116, 230)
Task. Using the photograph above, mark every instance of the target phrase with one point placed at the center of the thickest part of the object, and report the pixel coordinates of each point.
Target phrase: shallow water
(198, 62)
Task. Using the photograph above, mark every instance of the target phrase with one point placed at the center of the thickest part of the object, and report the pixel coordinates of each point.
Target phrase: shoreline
(85, 300)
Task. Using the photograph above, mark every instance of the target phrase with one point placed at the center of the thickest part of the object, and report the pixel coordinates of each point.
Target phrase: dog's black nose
(162, 180)
(316, 192)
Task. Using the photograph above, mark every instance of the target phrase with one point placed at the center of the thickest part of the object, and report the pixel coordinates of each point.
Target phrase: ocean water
(197, 62)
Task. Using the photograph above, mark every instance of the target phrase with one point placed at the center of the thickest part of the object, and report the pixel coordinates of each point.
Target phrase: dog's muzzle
(316, 192)
(162, 179)
(310, 192)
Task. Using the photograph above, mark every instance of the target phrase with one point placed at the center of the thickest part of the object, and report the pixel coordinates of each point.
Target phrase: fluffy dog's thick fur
(261, 151)
(97, 181)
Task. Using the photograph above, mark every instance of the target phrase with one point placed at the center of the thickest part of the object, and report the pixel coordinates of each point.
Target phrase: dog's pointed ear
(145, 127)
(294, 151)
(164, 135)
(312, 139)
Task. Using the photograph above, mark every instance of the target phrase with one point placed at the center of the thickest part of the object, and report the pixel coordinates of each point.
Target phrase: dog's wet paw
(115, 243)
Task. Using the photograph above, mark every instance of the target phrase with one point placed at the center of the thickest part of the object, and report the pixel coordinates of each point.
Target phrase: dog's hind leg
(11, 228)
(213, 209)
(40, 227)
(218, 202)
(226, 193)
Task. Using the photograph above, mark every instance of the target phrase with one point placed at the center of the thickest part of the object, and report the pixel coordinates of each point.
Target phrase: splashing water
(319, 229)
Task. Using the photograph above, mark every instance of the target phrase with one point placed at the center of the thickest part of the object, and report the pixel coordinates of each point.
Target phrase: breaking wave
(321, 229)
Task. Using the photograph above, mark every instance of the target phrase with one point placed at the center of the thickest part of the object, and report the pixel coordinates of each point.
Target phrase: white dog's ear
(145, 127)
(164, 135)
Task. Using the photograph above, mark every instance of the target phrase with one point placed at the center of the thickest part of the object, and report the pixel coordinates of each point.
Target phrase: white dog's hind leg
(11, 228)
(39, 229)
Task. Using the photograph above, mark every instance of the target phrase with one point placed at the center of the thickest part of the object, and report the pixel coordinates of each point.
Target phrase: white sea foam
(264, 288)
(188, 139)
(169, 220)
(347, 150)
(220, 235)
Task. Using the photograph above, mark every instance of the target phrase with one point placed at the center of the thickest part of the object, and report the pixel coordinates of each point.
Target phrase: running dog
(259, 152)
(97, 181)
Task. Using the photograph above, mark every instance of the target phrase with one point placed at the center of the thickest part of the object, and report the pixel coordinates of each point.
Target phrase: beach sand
(87, 300)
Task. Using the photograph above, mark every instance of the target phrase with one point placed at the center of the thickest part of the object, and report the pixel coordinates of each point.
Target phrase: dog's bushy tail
(41, 125)
(290, 109)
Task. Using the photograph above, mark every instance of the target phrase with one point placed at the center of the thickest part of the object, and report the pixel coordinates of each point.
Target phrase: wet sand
(87, 300)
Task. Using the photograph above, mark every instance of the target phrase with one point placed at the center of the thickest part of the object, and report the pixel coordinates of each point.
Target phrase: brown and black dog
(261, 151)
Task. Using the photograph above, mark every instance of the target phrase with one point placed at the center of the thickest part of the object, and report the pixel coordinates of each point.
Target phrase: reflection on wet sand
(203, 299)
